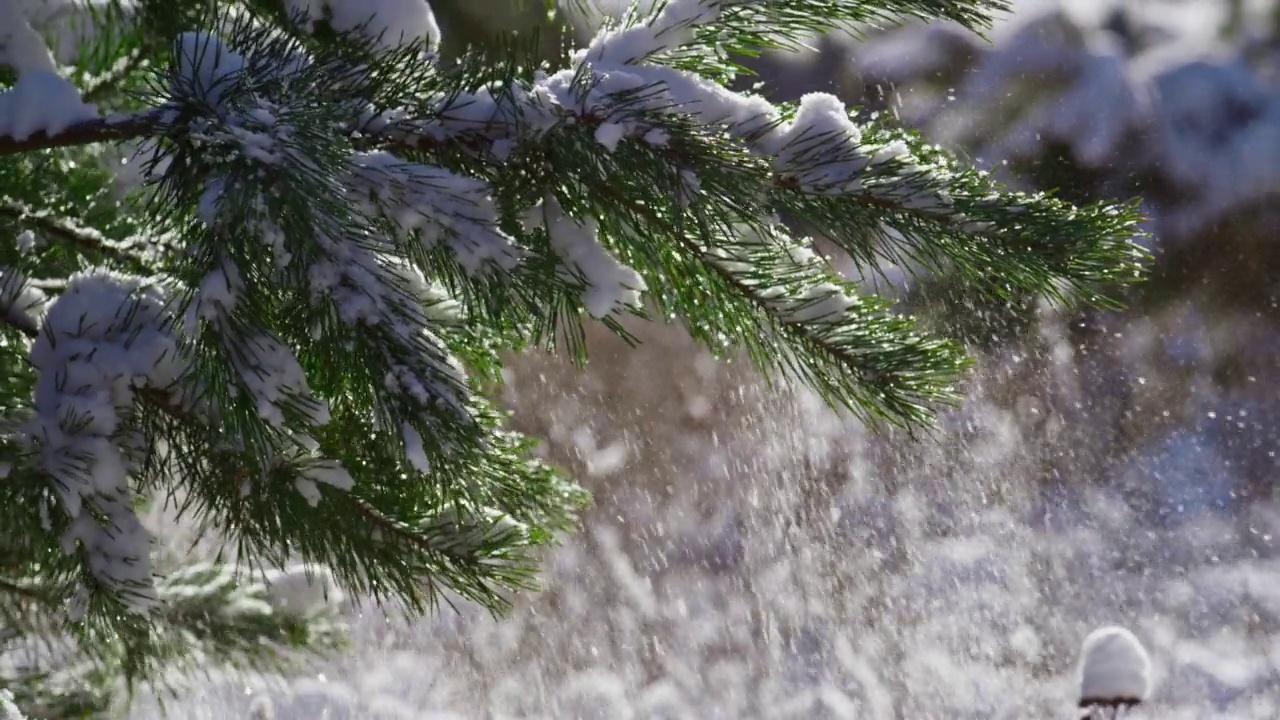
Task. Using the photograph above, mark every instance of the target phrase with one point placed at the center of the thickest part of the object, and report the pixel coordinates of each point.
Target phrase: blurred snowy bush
(1153, 95)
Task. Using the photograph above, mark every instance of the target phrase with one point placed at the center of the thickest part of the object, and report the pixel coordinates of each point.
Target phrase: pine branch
(357, 236)
(211, 618)
(84, 239)
(104, 86)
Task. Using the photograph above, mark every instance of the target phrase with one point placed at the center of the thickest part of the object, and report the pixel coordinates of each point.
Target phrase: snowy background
(752, 555)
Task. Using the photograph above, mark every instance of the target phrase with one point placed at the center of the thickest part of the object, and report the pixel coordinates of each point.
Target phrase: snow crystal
(391, 22)
(1114, 668)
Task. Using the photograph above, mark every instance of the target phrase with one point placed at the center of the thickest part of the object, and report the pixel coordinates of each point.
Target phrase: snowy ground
(754, 556)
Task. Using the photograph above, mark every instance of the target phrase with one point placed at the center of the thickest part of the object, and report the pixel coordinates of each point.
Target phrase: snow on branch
(388, 22)
(130, 254)
(432, 204)
(9, 710)
(103, 339)
(754, 25)
(268, 168)
(608, 285)
(41, 101)
(21, 304)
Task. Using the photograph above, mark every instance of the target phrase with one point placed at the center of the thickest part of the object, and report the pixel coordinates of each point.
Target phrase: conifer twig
(83, 238)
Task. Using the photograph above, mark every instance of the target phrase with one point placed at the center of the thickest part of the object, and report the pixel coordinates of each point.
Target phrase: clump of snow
(672, 27)
(610, 134)
(391, 22)
(322, 472)
(303, 590)
(101, 340)
(432, 205)
(1114, 668)
(271, 374)
(41, 100)
(816, 146)
(21, 46)
(8, 709)
(21, 303)
(218, 292)
(609, 286)
(206, 65)
(26, 241)
(414, 450)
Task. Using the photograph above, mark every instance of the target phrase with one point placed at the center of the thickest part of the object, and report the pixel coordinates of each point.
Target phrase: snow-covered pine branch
(337, 235)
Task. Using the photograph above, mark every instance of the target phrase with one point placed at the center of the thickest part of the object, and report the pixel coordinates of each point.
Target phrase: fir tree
(260, 260)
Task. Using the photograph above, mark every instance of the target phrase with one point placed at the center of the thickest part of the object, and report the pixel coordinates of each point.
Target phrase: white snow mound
(1114, 668)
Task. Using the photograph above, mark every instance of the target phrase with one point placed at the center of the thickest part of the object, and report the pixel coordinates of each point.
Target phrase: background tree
(284, 330)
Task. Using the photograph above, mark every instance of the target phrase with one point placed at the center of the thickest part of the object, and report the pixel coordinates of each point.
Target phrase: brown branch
(111, 129)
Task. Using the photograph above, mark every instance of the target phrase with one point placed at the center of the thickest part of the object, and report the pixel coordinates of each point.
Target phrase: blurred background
(753, 555)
